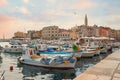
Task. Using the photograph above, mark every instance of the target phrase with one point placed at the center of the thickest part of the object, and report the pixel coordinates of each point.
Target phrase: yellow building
(20, 34)
(73, 33)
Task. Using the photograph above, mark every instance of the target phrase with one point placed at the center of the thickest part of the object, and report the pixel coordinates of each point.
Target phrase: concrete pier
(107, 69)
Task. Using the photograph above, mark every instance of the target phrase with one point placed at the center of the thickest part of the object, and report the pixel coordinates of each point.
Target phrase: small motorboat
(55, 62)
(13, 49)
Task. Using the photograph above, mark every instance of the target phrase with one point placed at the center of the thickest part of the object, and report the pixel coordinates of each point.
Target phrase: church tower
(86, 20)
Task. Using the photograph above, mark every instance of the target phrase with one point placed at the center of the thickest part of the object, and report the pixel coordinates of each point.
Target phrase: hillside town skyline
(24, 15)
(55, 32)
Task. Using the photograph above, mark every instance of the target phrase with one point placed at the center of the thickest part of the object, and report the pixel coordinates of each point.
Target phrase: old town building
(50, 32)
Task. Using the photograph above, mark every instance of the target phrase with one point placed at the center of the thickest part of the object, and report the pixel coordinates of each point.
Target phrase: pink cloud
(3, 2)
(9, 25)
(4, 18)
(25, 1)
(6, 24)
(84, 4)
(24, 10)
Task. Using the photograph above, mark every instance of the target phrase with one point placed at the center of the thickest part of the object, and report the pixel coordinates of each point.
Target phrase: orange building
(104, 31)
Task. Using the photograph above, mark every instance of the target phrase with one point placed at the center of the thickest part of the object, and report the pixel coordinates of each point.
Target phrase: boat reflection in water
(37, 73)
(0, 59)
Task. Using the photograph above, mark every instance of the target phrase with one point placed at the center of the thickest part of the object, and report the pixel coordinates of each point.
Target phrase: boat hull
(87, 54)
(56, 66)
(9, 50)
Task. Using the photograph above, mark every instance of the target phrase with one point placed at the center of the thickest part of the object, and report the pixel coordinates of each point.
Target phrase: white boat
(57, 50)
(103, 50)
(57, 62)
(13, 49)
(87, 52)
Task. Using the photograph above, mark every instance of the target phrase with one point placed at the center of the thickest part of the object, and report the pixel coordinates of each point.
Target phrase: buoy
(11, 68)
(30, 51)
(78, 48)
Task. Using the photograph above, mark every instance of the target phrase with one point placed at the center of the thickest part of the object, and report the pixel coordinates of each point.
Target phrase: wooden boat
(56, 62)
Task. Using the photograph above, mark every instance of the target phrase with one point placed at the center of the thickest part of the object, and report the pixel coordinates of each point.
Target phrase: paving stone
(104, 70)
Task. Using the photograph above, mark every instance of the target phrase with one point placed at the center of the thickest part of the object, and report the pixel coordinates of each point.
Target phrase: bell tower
(86, 20)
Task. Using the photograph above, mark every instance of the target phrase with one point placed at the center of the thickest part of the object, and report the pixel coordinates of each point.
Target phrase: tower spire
(86, 20)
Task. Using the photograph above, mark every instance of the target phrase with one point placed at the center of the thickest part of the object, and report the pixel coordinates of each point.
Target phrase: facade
(50, 32)
(104, 31)
(74, 33)
(30, 33)
(37, 34)
(64, 34)
(118, 35)
(95, 31)
(20, 35)
(113, 33)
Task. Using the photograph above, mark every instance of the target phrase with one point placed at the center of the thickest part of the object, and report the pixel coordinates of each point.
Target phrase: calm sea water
(21, 72)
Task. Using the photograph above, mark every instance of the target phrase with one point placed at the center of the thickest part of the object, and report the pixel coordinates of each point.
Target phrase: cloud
(24, 10)
(113, 19)
(3, 2)
(52, 1)
(9, 25)
(26, 1)
(84, 4)
(4, 18)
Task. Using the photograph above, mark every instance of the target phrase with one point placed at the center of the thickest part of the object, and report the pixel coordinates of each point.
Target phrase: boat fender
(65, 61)
(78, 48)
(11, 68)
(30, 52)
(72, 60)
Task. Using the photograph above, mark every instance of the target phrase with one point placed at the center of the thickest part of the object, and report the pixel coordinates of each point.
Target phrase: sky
(24, 15)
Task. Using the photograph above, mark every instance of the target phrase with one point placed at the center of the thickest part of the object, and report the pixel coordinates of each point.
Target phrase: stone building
(50, 32)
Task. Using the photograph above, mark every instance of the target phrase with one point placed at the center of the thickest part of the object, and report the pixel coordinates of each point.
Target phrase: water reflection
(1, 61)
(12, 55)
(30, 71)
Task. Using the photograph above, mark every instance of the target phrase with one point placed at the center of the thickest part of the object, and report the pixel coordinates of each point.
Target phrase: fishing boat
(56, 62)
(13, 49)
(43, 49)
(87, 52)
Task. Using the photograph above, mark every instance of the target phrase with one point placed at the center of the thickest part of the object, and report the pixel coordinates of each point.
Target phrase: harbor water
(24, 72)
